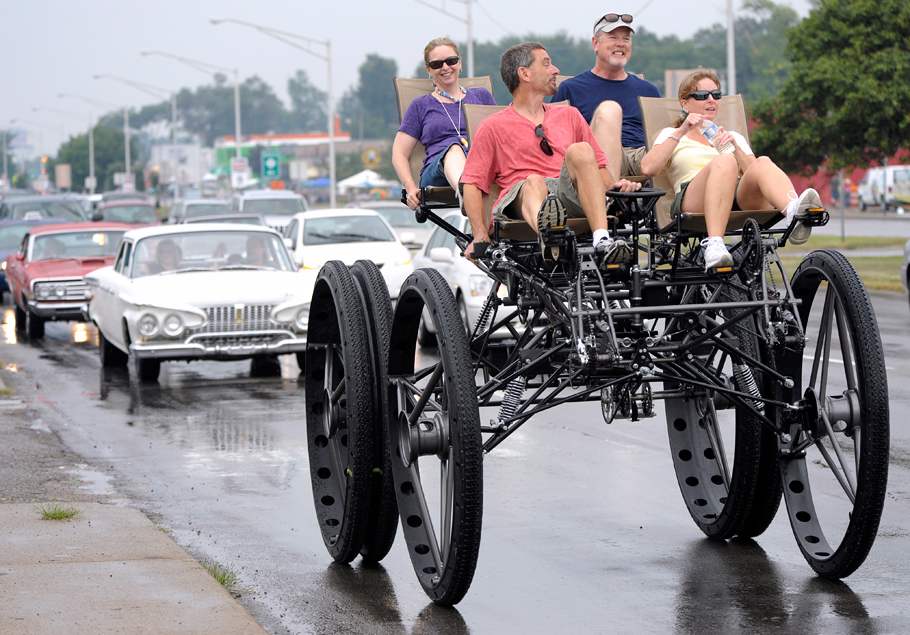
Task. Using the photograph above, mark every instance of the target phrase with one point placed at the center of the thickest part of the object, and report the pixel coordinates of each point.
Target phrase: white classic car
(199, 291)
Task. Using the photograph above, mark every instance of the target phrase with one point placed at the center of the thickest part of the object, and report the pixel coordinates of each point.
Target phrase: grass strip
(54, 511)
(223, 575)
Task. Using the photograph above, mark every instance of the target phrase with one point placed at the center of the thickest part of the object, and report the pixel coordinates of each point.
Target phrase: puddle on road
(93, 481)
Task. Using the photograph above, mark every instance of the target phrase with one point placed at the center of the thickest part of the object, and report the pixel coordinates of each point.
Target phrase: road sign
(371, 158)
(63, 176)
(240, 172)
(271, 165)
(91, 183)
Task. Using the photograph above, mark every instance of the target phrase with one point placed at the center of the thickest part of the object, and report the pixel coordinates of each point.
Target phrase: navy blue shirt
(586, 91)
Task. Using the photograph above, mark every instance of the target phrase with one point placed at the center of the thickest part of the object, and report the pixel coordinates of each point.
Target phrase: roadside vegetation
(223, 575)
(53, 511)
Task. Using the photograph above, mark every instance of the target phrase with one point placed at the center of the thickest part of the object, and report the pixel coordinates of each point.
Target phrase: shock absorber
(512, 398)
(488, 305)
(745, 382)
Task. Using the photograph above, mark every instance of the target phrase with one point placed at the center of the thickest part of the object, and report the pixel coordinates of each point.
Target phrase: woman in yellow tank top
(716, 182)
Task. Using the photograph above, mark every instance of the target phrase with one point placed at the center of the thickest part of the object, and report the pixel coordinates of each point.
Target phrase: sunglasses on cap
(437, 64)
(544, 142)
(610, 18)
(702, 95)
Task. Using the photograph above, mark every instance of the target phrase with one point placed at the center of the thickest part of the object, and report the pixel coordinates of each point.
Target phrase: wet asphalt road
(584, 528)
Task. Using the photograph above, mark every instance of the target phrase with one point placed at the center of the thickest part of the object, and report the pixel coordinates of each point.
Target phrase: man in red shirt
(544, 158)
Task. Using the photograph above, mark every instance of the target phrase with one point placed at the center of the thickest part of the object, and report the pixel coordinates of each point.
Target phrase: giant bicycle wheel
(724, 460)
(382, 510)
(434, 429)
(339, 411)
(835, 467)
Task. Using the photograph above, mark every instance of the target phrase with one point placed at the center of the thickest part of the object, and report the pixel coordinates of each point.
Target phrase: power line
(496, 22)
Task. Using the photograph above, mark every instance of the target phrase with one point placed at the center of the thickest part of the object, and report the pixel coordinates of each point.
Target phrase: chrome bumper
(225, 345)
(58, 310)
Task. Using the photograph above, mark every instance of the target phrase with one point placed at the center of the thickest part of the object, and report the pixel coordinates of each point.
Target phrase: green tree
(308, 111)
(369, 110)
(846, 98)
(108, 156)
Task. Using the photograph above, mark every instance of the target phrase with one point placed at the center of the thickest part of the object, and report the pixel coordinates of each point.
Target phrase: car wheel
(34, 326)
(147, 370)
(425, 337)
(20, 319)
(463, 313)
(265, 366)
(111, 356)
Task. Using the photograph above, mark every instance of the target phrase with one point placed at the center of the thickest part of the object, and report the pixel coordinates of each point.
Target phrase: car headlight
(173, 325)
(42, 291)
(403, 262)
(479, 286)
(59, 291)
(303, 317)
(148, 324)
(3, 266)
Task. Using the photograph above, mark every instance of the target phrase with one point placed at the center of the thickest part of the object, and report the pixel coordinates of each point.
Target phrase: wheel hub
(843, 411)
(424, 437)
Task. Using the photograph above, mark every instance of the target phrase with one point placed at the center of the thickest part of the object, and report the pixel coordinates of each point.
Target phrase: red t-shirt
(505, 149)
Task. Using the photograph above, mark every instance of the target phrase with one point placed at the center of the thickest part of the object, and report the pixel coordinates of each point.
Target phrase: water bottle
(710, 130)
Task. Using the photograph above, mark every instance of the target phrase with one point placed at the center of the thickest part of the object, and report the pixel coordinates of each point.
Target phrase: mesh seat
(661, 112)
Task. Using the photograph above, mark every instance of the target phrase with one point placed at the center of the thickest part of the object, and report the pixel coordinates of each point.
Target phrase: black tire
(446, 433)
(34, 326)
(339, 411)
(265, 366)
(111, 356)
(148, 370)
(301, 361)
(21, 318)
(382, 514)
(861, 410)
(724, 499)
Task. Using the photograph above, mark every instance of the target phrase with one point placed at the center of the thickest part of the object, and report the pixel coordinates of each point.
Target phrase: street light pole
(206, 67)
(5, 161)
(731, 49)
(294, 40)
(467, 20)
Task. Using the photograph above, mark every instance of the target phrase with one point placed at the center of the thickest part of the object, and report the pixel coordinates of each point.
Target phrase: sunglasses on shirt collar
(610, 18)
(544, 142)
(437, 64)
(702, 95)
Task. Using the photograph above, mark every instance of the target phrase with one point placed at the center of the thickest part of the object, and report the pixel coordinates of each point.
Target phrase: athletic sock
(600, 234)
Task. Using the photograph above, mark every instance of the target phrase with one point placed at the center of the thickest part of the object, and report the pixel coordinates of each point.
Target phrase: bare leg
(764, 185)
(453, 165)
(582, 167)
(606, 124)
(711, 192)
(531, 197)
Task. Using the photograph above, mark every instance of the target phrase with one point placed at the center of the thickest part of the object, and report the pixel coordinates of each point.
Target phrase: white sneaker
(796, 209)
(716, 254)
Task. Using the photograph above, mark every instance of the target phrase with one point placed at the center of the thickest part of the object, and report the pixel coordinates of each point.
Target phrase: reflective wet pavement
(584, 527)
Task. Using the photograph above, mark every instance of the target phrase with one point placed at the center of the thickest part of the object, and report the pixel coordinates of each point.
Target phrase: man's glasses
(544, 143)
(610, 18)
(702, 95)
(437, 64)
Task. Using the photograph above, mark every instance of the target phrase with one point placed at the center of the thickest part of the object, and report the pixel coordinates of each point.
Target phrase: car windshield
(209, 251)
(81, 244)
(243, 220)
(205, 209)
(144, 214)
(36, 210)
(398, 216)
(11, 237)
(274, 206)
(345, 229)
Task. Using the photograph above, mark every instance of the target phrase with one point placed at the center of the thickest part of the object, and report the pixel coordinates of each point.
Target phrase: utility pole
(467, 20)
(731, 49)
(5, 161)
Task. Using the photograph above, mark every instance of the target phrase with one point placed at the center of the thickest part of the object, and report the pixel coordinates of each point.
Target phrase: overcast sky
(57, 45)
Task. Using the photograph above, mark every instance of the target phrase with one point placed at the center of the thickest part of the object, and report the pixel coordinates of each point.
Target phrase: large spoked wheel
(725, 460)
(382, 509)
(835, 467)
(339, 411)
(434, 429)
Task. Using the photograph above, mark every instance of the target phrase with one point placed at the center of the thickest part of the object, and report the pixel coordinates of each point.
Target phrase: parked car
(120, 195)
(46, 275)
(883, 187)
(199, 291)
(187, 209)
(468, 283)
(243, 219)
(349, 235)
(11, 233)
(412, 234)
(276, 206)
(38, 207)
(133, 211)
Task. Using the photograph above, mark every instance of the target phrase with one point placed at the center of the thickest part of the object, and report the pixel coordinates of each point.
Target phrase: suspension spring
(745, 382)
(488, 305)
(512, 398)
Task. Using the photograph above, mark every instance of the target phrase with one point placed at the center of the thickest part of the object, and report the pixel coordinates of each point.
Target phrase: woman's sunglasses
(437, 64)
(544, 143)
(610, 18)
(702, 95)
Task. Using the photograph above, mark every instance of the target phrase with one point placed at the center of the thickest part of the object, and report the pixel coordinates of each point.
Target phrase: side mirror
(441, 254)
(407, 237)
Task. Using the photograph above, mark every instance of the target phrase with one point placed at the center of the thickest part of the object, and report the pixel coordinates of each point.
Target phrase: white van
(887, 187)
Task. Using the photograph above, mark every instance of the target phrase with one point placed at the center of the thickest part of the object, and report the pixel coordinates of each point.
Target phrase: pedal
(721, 271)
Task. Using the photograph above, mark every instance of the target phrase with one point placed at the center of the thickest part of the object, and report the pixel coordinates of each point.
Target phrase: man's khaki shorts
(509, 207)
(631, 161)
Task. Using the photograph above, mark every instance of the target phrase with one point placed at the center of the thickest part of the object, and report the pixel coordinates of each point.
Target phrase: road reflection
(8, 329)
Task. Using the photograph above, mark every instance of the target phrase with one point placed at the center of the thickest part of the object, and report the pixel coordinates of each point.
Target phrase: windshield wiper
(365, 237)
(187, 270)
(241, 267)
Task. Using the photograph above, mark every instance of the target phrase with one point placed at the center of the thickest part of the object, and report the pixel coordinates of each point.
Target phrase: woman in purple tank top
(437, 120)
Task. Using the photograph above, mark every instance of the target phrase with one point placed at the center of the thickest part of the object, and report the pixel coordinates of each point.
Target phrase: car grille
(221, 340)
(227, 318)
(75, 289)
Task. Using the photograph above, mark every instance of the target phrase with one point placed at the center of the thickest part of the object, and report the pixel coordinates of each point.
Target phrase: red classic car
(46, 274)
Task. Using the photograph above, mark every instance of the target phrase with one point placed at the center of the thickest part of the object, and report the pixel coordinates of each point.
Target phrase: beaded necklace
(461, 139)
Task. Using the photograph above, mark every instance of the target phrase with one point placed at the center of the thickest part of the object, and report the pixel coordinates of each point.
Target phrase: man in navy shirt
(607, 95)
